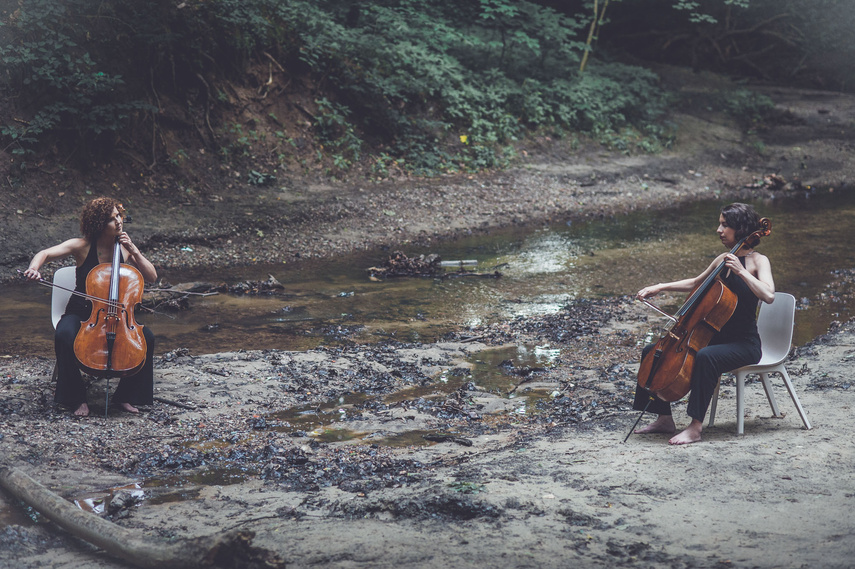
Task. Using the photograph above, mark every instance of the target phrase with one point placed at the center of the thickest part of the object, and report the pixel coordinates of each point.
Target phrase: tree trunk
(228, 549)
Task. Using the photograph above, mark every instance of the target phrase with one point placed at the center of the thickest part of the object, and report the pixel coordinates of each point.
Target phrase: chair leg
(770, 396)
(740, 403)
(714, 403)
(794, 397)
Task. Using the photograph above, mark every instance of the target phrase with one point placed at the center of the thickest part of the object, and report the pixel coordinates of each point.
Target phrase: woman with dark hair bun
(102, 225)
(742, 218)
(737, 344)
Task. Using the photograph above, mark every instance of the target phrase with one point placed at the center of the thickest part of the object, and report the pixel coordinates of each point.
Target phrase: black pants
(720, 356)
(137, 389)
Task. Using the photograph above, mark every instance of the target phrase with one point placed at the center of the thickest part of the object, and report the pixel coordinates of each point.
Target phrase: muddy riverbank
(805, 149)
(408, 476)
(353, 482)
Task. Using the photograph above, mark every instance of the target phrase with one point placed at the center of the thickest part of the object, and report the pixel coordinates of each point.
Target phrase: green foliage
(257, 178)
(788, 41)
(57, 79)
(418, 74)
(747, 106)
(697, 16)
(336, 132)
(410, 80)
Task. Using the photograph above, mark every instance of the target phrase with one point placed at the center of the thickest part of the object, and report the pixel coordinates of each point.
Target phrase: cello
(666, 370)
(111, 343)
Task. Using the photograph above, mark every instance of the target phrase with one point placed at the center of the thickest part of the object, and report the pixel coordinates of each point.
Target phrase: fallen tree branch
(228, 549)
(174, 290)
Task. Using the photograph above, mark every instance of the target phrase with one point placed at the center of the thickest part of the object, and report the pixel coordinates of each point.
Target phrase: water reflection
(543, 268)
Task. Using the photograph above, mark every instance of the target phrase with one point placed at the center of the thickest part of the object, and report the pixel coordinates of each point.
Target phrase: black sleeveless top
(77, 304)
(743, 324)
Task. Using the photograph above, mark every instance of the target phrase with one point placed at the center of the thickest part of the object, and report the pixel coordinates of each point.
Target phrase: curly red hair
(96, 215)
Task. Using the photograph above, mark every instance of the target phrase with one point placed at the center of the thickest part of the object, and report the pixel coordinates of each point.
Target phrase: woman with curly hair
(737, 344)
(102, 225)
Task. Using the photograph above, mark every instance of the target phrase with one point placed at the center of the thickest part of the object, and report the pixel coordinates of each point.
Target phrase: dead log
(228, 549)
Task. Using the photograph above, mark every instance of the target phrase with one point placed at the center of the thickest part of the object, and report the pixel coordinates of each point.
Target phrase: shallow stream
(542, 269)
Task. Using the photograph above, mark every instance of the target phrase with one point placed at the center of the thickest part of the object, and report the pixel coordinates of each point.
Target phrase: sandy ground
(555, 488)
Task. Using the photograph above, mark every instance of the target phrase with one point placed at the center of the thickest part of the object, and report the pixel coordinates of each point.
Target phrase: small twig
(176, 403)
(472, 338)
(276, 63)
(155, 311)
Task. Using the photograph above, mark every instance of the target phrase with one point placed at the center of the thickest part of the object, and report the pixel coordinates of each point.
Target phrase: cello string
(752, 239)
(83, 294)
(708, 281)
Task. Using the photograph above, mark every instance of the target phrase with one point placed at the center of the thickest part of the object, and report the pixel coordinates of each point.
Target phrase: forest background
(191, 98)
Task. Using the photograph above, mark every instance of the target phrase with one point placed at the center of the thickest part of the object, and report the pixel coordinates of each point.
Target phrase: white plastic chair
(64, 277)
(775, 324)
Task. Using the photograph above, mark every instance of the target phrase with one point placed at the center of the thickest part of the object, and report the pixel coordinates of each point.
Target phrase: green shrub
(746, 106)
(404, 78)
(58, 81)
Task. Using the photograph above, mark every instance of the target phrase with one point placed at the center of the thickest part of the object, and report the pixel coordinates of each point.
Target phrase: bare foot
(692, 434)
(82, 411)
(129, 408)
(664, 424)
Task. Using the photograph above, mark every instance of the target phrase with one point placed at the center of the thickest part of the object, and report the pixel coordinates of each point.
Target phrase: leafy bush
(58, 80)
(746, 106)
(408, 79)
(418, 75)
(788, 41)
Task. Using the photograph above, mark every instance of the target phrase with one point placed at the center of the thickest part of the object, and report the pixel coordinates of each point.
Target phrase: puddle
(335, 435)
(501, 370)
(414, 438)
(181, 495)
(314, 418)
(186, 486)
